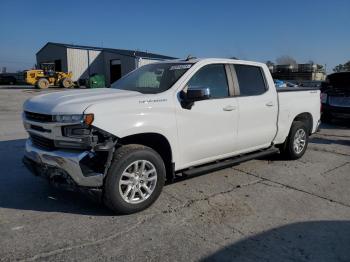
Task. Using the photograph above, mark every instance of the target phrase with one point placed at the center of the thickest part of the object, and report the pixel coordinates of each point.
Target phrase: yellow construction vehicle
(47, 76)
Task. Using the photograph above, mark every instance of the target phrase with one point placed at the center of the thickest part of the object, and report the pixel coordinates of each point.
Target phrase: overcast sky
(253, 30)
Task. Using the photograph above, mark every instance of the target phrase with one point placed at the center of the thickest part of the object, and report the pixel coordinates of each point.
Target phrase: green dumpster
(96, 81)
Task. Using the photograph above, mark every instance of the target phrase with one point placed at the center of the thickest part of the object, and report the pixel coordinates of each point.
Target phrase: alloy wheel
(299, 141)
(138, 181)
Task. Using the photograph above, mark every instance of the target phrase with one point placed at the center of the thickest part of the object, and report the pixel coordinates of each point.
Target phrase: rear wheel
(134, 180)
(296, 143)
(42, 83)
(66, 83)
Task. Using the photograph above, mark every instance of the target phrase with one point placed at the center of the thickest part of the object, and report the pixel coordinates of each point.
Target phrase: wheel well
(307, 119)
(158, 143)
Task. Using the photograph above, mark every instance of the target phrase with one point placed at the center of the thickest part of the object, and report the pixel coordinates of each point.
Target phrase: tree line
(342, 67)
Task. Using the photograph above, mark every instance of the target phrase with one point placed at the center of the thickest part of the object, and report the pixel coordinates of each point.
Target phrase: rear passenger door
(258, 107)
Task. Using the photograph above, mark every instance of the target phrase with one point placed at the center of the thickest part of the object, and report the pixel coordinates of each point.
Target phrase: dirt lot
(262, 210)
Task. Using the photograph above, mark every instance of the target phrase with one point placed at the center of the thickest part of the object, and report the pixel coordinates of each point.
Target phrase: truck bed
(296, 89)
(292, 102)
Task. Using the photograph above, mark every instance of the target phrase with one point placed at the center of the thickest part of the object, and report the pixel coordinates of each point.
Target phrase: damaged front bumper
(63, 166)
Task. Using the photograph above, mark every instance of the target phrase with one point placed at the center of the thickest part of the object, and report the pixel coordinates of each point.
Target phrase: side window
(211, 76)
(250, 79)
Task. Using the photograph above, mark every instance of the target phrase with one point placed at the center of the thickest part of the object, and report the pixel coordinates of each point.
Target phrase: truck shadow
(19, 189)
(304, 241)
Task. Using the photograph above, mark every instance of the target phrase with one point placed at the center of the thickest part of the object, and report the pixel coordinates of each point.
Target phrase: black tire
(287, 149)
(12, 81)
(66, 82)
(123, 157)
(43, 83)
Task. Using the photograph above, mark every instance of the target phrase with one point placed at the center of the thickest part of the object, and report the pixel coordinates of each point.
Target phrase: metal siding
(128, 64)
(78, 62)
(96, 62)
(145, 61)
(51, 53)
(74, 59)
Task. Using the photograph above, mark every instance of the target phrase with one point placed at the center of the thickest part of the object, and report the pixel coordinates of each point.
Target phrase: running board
(196, 171)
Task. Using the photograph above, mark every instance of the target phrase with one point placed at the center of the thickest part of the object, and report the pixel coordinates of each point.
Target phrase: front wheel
(296, 143)
(66, 83)
(135, 179)
(43, 83)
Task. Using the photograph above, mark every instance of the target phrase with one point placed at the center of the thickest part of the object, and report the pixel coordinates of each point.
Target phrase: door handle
(270, 103)
(229, 108)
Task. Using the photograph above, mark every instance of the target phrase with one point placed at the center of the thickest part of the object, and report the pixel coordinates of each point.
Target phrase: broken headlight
(79, 137)
(76, 131)
(82, 118)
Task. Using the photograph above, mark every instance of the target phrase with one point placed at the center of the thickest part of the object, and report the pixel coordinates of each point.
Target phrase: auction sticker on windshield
(179, 67)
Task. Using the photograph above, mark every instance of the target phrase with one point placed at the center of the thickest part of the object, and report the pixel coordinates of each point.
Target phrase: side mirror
(198, 93)
(194, 94)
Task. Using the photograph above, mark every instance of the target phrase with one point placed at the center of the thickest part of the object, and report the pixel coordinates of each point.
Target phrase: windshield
(152, 78)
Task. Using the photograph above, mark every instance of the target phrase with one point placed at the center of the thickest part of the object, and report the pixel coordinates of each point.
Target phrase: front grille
(38, 117)
(42, 142)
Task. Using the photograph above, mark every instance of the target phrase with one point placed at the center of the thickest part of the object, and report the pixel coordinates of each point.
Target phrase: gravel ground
(262, 210)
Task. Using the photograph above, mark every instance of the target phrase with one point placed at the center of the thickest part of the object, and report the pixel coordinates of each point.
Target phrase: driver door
(207, 130)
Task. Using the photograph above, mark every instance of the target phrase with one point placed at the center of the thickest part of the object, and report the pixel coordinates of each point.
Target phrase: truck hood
(74, 102)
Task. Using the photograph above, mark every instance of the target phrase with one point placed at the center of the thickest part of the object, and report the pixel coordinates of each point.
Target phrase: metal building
(298, 72)
(83, 61)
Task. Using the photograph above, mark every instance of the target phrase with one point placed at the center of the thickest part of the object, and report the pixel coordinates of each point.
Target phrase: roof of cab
(213, 61)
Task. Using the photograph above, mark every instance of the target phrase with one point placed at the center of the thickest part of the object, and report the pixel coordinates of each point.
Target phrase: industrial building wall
(145, 61)
(128, 64)
(83, 62)
(79, 60)
(51, 53)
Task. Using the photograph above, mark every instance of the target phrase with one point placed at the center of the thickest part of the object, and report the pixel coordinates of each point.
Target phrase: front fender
(125, 121)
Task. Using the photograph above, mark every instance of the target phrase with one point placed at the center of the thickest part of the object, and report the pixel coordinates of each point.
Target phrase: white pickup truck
(164, 120)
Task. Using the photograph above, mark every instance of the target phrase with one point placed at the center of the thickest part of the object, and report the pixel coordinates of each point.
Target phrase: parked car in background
(335, 96)
(7, 80)
(311, 83)
(186, 116)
